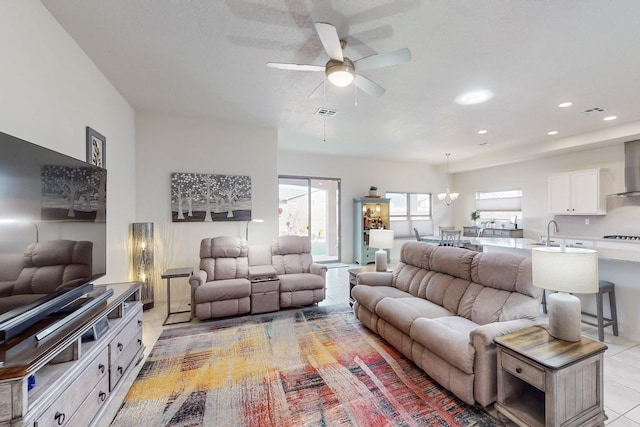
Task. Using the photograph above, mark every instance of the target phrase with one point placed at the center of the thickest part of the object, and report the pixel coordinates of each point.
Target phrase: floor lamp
(565, 270)
(381, 239)
(142, 260)
(246, 231)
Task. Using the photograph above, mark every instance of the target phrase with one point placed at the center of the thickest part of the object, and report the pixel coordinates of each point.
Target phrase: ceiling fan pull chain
(355, 90)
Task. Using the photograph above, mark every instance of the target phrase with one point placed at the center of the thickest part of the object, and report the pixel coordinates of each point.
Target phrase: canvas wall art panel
(209, 197)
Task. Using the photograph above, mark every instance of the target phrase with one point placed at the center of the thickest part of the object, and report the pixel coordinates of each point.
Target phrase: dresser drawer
(126, 356)
(526, 372)
(125, 336)
(62, 409)
(91, 404)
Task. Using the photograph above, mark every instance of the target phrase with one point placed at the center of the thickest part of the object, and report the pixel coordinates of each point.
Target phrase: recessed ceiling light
(564, 105)
(475, 97)
(609, 118)
(482, 132)
(553, 132)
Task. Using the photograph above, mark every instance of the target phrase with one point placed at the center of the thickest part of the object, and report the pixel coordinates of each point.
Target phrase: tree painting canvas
(71, 193)
(207, 197)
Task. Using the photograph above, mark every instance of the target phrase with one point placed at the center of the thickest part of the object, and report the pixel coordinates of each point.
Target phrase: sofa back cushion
(482, 287)
(291, 254)
(54, 264)
(224, 257)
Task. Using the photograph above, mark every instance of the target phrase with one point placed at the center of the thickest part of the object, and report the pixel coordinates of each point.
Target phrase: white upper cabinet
(577, 193)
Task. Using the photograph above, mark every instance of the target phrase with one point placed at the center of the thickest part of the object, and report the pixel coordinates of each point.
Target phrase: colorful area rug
(311, 367)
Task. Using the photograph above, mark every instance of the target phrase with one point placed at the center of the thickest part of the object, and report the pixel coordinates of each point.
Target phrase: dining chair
(450, 238)
(415, 230)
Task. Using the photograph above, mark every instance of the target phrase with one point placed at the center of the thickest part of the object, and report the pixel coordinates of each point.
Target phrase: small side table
(169, 274)
(544, 381)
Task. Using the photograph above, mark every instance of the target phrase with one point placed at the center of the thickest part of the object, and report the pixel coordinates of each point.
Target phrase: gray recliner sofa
(222, 287)
(442, 307)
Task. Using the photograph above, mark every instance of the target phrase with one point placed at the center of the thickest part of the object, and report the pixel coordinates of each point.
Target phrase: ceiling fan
(340, 70)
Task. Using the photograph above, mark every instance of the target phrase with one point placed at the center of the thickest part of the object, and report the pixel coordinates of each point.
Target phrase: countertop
(608, 249)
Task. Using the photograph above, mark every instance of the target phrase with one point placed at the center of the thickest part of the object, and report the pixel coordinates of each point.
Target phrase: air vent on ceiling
(325, 112)
(594, 110)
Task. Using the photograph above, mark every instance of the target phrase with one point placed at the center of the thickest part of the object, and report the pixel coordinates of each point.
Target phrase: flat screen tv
(46, 196)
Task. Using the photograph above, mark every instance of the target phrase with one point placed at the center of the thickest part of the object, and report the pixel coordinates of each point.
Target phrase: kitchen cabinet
(577, 193)
(369, 213)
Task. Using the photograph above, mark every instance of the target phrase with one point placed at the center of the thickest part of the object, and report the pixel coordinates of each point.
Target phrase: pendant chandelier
(447, 197)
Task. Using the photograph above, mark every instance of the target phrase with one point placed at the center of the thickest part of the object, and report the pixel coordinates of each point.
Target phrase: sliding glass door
(311, 207)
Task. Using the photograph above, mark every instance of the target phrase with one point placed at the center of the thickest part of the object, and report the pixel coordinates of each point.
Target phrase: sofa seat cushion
(221, 290)
(448, 338)
(401, 312)
(370, 296)
(300, 282)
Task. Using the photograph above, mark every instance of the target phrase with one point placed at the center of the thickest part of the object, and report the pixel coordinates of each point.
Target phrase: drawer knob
(59, 417)
(139, 341)
(120, 370)
(519, 370)
(101, 368)
(102, 396)
(139, 322)
(120, 346)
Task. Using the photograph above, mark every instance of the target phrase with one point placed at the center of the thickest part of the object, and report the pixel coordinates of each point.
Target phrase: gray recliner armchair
(302, 282)
(221, 287)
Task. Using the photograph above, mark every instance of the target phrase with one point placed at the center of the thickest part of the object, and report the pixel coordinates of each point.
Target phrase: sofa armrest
(374, 278)
(319, 269)
(488, 332)
(198, 278)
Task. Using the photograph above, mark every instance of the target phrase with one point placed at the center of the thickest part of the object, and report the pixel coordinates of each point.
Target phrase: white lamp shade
(381, 239)
(573, 270)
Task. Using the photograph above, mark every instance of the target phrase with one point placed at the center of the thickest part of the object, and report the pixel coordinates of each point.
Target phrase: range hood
(631, 169)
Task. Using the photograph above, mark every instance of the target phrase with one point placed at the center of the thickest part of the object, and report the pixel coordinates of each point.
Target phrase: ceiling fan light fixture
(340, 74)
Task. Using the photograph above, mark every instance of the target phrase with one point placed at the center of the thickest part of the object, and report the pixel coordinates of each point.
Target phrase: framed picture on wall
(96, 147)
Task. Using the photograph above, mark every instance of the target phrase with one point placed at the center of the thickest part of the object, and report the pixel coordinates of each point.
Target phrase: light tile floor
(621, 367)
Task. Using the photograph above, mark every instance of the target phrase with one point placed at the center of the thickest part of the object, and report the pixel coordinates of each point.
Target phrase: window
(409, 206)
(497, 208)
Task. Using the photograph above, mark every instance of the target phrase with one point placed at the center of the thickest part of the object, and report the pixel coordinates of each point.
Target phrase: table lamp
(381, 239)
(565, 270)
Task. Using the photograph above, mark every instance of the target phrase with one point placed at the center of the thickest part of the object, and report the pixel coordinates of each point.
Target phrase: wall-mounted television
(45, 196)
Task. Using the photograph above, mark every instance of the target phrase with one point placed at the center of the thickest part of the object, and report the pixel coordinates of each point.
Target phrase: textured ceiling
(206, 59)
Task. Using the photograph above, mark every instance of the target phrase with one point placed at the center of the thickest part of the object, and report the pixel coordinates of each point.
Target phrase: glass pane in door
(310, 207)
(324, 219)
(293, 209)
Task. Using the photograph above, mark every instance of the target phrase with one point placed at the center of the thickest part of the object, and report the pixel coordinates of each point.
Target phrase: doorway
(310, 206)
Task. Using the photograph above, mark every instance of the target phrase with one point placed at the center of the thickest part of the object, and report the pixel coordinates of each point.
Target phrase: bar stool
(604, 287)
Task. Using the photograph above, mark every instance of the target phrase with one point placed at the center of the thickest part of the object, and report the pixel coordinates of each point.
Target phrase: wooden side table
(544, 381)
(169, 274)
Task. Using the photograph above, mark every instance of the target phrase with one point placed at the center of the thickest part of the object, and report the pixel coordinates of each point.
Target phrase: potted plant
(373, 190)
(475, 216)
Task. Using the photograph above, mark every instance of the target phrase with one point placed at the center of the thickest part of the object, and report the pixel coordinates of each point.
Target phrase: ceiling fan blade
(295, 67)
(330, 40)
(383, 60)
(318, 90)
(367, 86)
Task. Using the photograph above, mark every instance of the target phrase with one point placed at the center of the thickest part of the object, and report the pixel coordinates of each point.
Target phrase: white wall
(50, 92)
(166, 144)
(358, 174)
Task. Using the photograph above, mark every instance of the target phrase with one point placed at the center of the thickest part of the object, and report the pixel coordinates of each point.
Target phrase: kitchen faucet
(555, 229)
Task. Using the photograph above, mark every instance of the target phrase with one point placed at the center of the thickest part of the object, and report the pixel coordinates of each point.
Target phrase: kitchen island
(618, 262)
